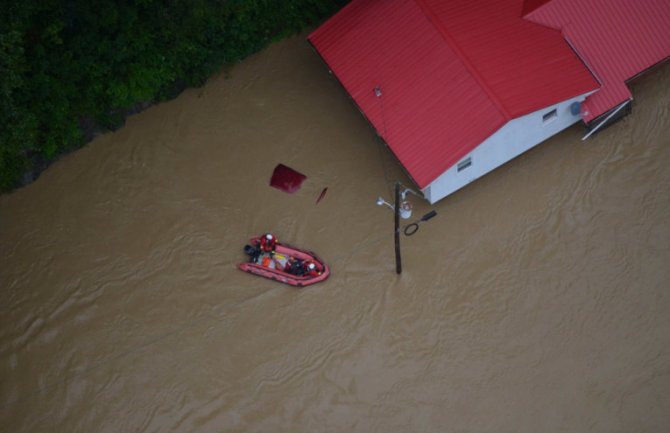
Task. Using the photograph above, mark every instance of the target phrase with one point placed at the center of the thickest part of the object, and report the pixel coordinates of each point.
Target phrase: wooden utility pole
(398, 262)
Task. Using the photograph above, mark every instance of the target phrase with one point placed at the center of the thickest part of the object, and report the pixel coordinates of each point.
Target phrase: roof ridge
(427, 11)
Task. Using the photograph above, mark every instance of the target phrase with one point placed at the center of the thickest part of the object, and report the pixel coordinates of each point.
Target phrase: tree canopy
(69, 65)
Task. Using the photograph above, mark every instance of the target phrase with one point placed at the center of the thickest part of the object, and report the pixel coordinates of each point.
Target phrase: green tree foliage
(68, 63)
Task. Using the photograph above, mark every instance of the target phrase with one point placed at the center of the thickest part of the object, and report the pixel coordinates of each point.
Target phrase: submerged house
(457, 88)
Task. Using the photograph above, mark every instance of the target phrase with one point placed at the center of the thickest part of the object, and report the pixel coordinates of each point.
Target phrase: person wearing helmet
(310, 269)
(268, 243)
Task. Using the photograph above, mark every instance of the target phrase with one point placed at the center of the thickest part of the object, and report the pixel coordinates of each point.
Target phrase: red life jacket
(311, 272)
(268, 246)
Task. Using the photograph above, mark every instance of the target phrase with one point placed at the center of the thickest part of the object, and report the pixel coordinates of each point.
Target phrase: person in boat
(268, 244)
(293, 266)
(310, 269)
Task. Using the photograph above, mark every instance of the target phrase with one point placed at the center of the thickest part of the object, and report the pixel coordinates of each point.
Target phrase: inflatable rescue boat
(285, 265)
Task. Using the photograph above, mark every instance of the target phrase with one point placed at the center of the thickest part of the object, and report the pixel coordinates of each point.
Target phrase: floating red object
(286, 179)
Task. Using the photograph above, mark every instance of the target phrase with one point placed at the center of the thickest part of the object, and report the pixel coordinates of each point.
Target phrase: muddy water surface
(536, 301)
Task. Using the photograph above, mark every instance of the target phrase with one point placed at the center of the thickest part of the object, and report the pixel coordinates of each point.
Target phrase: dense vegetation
(68, 67)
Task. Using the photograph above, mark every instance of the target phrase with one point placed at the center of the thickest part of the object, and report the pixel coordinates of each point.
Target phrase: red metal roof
(530, 5)
(450, 72)
(617, 39)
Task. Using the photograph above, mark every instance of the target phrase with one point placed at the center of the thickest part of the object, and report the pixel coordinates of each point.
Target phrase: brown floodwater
(536, 301)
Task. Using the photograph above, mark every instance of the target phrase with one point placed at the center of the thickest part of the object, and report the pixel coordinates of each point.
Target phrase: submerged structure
(457, 88)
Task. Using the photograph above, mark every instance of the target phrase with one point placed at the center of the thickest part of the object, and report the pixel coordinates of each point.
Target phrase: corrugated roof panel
(531, 5)
(617, 39)
(419, 114)
(526, 66)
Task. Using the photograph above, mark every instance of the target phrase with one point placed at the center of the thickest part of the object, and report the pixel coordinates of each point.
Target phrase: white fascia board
(508, 142)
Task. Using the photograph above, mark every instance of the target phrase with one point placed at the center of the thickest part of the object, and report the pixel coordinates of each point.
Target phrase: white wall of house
(510, 141)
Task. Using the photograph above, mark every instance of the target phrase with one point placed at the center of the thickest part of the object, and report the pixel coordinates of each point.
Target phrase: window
(548, 117)
(467, 162)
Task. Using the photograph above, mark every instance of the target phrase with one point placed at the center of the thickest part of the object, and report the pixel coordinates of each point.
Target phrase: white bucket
(405, 210)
